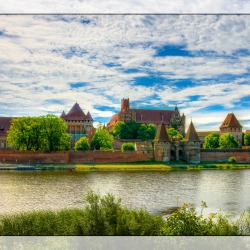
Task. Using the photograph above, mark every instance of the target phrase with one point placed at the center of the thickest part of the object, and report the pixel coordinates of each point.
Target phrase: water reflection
(228, 190)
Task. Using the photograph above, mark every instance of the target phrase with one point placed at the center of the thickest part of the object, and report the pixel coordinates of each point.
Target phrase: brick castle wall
(220, 155)
(241, 155)
(33, 157)
(12, 156)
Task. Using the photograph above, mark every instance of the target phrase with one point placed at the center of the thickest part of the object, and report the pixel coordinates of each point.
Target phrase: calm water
(227, 190)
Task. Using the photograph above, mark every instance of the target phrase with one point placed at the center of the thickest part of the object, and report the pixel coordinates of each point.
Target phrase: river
(227, 190)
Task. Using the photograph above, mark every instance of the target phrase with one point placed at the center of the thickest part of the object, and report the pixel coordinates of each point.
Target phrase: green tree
(247, 139)
(173, 133)
(55, 133)
(47, 133)
(227, 141)
(25, 133)
(174, 124)
(146, 132)
(102, 139)
(212, 140)
(118, 129)
(128, 146)
(82, 144)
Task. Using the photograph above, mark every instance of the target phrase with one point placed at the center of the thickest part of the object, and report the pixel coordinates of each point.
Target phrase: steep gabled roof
(161, 135)
(88, 116)
(231, 121)
(75, 113)
(192, 135)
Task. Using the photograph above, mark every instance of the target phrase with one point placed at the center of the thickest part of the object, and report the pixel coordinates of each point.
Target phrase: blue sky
(198, 62)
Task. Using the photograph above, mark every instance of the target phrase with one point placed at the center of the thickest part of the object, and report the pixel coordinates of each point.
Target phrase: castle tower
(162, 144)
(231, 125)
(124, 104)
(192, 145)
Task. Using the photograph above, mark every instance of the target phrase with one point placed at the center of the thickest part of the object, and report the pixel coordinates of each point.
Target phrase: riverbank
(136, 166)
(106, 216)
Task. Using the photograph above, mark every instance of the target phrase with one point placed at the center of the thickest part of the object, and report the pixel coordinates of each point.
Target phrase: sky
(198, 62)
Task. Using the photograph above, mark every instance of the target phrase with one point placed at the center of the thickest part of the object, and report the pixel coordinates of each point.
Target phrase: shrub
(232, 160)
(128, 146)
(82, 144)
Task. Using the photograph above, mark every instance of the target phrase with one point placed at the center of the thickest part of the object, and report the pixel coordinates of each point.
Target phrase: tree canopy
(82, 144)
(227, 141)
(102, 139)
(247, 139)
(45, 133)
(212, 140)
(134, 130)
(173, 133)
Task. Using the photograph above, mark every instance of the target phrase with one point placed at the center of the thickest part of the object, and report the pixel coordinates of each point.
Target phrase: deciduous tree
(227, 141)
(82, 144)
(212, 140)
(102, 139)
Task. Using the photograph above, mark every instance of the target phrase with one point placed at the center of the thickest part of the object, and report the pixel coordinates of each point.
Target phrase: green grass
(105, 216)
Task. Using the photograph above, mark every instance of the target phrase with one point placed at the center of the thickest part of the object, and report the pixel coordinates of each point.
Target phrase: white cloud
(129, 6)
(34, 68)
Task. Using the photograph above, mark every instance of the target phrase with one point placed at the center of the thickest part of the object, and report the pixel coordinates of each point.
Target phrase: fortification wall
(12, 156)
(33, 157)
(109, 156)
(220, 155)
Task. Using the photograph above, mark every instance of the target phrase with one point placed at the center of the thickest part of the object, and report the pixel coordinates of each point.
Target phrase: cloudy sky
(198, 62)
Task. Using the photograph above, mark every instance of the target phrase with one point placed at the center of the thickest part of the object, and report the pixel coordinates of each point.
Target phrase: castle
(146, 116)
(81, 124)
(78, 123)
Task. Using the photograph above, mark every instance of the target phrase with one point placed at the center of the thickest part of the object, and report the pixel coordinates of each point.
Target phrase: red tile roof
(153, 116)
(192, 135)
(230, 121)
(161, 135)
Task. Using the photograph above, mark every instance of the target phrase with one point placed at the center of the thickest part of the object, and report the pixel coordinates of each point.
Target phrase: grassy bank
(106, 216)
(135, 166)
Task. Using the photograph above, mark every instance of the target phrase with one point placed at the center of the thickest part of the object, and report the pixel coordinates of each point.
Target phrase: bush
(128, 146)
(106, 216)
(82, 144)
(232, 160)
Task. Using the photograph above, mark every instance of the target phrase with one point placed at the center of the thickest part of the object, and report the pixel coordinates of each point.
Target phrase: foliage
(232, 160)
(146, 132)
(46, 133)
(227, 141)
(212, 140)
(174, 124)
(128, 146)
(134, 130)
(173, 133)
(82, 144)
(106, 216)
(102, 139)
(247, 139)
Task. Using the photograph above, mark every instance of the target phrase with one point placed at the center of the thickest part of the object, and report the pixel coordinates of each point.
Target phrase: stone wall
(220, 155)
(12, 156)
